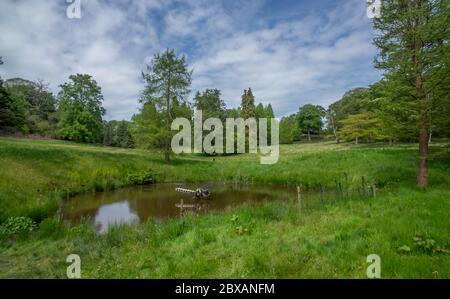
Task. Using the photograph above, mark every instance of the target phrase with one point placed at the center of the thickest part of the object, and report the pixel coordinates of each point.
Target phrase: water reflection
(115, 214)
(157, 202)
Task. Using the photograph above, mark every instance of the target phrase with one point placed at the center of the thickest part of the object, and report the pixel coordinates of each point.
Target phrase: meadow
(406, 226)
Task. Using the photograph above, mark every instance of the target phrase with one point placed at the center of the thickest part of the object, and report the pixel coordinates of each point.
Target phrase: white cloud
(292, 63)
(314, 58)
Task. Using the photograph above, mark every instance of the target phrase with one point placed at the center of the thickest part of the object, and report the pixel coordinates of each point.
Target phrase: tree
(398, 114)
(108, 133)
(117, 133)
(168, 79)
(248, 104)
(12, 113)
(148, 126)
(233, 112)
(289, 130)
(269, 114)
(80, 109)
(354, 101)
(364, 126)
(260, 111)
(310, 119)
(149, 130)
(412, 35)
(332, 124)
(269, 111)
(248, 110)
(211, 104)
(38, 103)
(124, 138)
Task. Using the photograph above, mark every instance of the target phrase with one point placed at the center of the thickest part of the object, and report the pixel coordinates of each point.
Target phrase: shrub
(141, 178)
(16, 226)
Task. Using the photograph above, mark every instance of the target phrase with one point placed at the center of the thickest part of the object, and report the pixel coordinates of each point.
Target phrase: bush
(16, 226)
(141, 178)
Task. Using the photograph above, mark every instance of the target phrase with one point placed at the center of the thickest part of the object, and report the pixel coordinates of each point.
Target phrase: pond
(157, 202)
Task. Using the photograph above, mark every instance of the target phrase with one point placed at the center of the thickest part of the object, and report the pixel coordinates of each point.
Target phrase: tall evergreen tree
(248, 109)
(269, 111)
(210, 103)
(168, 79)
(412, 34)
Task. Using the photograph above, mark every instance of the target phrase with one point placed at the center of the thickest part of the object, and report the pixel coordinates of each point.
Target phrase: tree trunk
(168, 125)
(357, 140)
(334, 130)
(309, 135)
(166, 156)
(422, 172)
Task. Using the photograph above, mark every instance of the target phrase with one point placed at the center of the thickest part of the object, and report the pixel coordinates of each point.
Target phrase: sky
(290, 52)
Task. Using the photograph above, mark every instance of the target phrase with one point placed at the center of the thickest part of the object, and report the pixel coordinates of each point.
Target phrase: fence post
(321, 193)
(299, 196)
(363, 186)
(374, 191)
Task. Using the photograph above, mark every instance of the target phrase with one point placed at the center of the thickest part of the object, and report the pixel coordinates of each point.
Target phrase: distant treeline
(76, 113)
(366, 115)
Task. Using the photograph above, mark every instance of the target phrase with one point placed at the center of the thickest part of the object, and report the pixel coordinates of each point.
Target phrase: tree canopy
(80, 110)
(167, 84)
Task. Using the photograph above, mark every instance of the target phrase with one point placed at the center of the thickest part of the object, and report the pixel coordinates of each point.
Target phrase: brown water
(157, 202)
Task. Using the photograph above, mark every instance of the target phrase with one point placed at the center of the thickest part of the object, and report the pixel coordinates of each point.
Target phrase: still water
(160, 201)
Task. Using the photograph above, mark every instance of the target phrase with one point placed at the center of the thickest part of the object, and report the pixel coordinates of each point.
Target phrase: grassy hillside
(407, 227)
(37, 174)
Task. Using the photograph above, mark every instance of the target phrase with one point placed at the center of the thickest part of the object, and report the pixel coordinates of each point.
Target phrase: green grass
(37, 174)
(328, 240)
(277, 240)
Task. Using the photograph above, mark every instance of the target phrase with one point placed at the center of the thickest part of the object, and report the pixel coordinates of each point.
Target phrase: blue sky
(289, 52)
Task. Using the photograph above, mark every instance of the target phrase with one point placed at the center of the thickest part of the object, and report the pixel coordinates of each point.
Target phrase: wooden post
(321, 193)
(182, 207)
(346, 185)
(363, 186)
(299, 196)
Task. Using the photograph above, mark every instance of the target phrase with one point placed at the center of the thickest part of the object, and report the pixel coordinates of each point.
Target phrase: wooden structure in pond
(197, 194)
(198, 207)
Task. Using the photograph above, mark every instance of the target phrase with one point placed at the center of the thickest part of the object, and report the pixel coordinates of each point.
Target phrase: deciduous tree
(168, 80)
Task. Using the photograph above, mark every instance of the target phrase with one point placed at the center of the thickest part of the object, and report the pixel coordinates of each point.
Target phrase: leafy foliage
(210, 103)
(118, 134)
(16, 226)
(248, 104)
(361, 126)
(310, 119)
(80, 109)
(141, 178)
(168, 80)
(289, 130)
